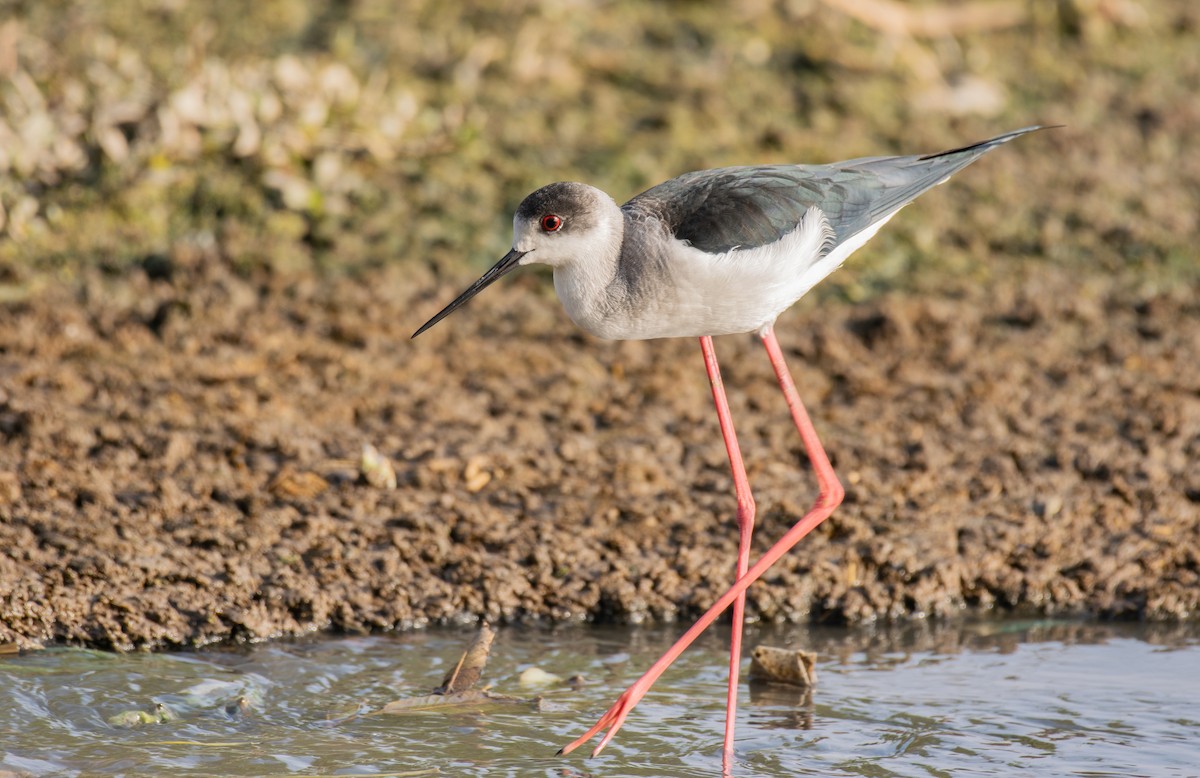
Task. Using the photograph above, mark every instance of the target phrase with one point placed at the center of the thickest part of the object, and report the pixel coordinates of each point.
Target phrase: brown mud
(179, 449)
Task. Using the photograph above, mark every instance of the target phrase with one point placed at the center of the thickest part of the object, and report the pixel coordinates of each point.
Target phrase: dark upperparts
(747, 207)
(739, 207)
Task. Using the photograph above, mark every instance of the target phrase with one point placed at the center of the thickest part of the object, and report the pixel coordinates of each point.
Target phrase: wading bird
(716, 252)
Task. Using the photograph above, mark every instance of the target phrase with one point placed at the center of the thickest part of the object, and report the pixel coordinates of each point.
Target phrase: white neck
(582, 283)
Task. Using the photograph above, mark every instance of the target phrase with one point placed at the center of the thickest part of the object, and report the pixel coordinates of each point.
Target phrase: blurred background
(294, 135)
(220, 222)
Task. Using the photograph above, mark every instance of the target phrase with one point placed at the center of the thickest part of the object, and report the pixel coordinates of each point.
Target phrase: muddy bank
(180, 445)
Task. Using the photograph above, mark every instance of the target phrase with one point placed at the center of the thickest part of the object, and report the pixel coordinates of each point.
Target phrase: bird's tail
(900, 180)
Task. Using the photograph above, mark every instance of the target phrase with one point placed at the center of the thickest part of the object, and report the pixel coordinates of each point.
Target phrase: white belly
(716, 294)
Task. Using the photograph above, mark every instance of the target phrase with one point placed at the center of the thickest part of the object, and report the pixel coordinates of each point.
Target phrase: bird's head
(558, 225)
(561, 223)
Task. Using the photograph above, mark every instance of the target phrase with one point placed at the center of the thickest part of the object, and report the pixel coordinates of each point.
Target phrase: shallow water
(976, 698)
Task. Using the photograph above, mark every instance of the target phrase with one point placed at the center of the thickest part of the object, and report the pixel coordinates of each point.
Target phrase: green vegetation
(295, 134)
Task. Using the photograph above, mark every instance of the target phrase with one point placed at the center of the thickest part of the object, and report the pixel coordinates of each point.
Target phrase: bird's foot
(611, 720)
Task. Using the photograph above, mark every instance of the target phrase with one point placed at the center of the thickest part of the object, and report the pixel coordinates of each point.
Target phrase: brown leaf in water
(455, 695)
(470, 665)
(470, 700)
(783, 665)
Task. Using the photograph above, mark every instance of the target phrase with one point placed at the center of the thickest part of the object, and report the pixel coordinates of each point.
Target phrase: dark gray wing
(735, 207)
(746, 207)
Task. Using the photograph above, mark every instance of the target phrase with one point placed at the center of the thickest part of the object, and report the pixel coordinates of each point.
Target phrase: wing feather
(752, 206)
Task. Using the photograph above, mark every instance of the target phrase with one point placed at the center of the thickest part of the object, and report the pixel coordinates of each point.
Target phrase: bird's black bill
(500, 268)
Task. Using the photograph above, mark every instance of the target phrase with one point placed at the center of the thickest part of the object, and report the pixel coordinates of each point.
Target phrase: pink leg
(745, 520)
(830, 496)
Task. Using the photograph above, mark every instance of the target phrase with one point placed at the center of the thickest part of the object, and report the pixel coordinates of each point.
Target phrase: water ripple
(929, 700)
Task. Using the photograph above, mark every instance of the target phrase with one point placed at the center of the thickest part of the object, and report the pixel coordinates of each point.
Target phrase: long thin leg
(745, 521)
(830, 496)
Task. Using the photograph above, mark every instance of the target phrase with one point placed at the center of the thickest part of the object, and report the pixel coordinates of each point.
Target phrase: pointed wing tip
(987, 145)
(1030, 128)
(1006, 137)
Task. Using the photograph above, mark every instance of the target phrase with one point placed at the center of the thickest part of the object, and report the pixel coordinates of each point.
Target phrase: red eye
(551, 222)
